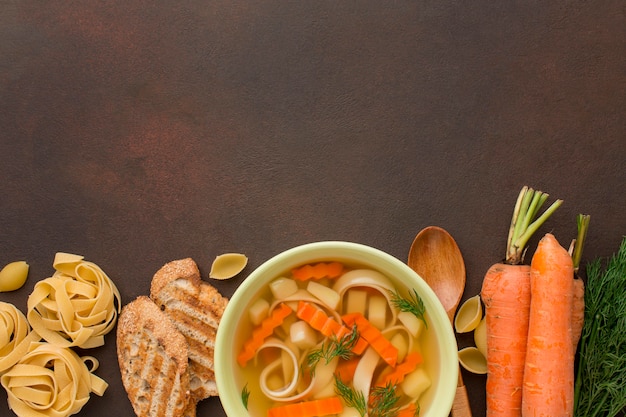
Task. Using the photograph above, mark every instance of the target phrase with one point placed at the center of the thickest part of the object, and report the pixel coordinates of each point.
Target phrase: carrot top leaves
(525, 223)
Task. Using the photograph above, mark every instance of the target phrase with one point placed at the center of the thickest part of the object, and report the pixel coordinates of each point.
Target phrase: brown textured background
(136, 132)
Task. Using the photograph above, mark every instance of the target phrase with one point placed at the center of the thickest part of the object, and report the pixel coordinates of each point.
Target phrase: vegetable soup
(335, 338)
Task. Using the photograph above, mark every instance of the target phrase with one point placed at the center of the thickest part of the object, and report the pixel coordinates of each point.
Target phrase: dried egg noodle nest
(77, 306)
(15, 336)
(51, 381)
(297, 386)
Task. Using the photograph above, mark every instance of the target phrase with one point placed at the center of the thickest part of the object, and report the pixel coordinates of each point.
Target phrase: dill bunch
(600, 388)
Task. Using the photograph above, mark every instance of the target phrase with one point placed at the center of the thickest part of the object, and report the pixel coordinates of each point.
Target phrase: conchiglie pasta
(77, 306)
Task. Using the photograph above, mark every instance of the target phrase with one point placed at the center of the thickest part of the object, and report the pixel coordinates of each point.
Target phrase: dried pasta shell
(228, 265)
(480, 337)
(13, 276)
(469, 315)
(471, 359)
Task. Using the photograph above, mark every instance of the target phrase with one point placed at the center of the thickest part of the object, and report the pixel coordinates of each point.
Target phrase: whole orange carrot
(548, 389)
(506, 295)
(578, 303)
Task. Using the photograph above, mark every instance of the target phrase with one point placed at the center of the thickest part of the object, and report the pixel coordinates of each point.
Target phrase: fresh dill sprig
(600, 387)
(383, 401)
(413, 304)
(351, 397)
(245, 396)
(334, 348)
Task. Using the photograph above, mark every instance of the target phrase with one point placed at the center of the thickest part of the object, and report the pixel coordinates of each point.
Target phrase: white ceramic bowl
(443, 367)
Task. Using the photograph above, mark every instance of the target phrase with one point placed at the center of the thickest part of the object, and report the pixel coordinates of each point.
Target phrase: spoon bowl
(436, 257)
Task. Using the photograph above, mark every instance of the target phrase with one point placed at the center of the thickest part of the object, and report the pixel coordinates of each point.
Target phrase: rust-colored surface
(136, 132)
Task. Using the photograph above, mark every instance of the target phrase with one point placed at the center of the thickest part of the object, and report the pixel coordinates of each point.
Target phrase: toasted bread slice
(195, 307)
(152, 356)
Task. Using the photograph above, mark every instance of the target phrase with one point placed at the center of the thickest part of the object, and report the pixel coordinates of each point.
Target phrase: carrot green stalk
(313, 408)
(318, 271)
(524, 224)
(582, 220)
(548, 388)
(263, 331)
(505, 293)
(387, 351)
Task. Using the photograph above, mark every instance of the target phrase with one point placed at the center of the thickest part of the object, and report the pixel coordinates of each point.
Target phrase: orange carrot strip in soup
(506, 295)
(408, 411)
(320, 321)
(346, 368)
(548, 389)
(397, 376)
(313, 408)
(318, 271)
(263, 331)
(373, 336)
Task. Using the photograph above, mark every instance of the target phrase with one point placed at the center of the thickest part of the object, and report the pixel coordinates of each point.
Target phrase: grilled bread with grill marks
(195, 307)
(152, 356)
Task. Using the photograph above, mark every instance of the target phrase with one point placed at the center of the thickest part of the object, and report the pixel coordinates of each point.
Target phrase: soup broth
(372, 309)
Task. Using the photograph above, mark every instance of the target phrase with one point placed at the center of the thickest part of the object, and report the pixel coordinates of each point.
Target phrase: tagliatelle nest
(77, 306)
(51, 381)
(15, 336)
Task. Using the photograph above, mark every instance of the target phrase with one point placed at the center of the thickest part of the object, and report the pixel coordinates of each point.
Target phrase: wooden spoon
(436, 257)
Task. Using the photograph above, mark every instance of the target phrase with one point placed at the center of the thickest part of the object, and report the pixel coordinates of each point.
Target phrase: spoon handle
(461, 406)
